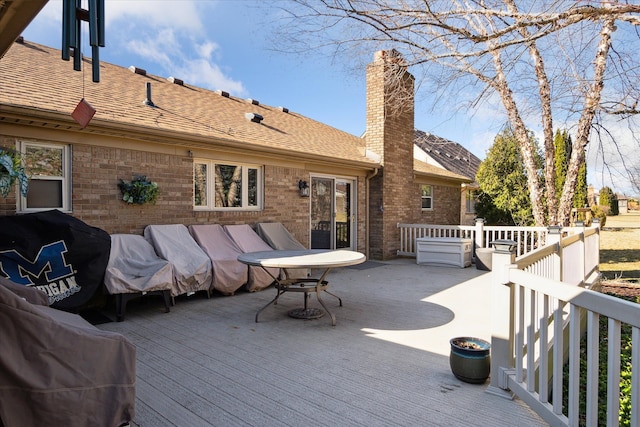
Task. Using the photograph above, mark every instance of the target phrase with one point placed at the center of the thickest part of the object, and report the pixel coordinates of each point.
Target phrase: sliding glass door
(332, 216)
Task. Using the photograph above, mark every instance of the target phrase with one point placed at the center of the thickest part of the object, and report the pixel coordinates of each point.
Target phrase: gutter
(370, 176)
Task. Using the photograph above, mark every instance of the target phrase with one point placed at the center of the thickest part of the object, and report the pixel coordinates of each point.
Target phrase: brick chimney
(390, 134)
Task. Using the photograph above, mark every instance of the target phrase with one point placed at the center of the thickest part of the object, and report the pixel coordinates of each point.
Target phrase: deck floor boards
(207, 363)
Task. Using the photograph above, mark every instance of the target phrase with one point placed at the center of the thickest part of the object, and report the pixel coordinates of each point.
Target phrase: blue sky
(227, 44)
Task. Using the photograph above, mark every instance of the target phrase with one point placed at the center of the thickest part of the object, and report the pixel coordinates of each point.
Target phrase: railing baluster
(635, 377)
(558, 357)
(543, 373)
(531, 334)
(519, 335)
(593, 372)
(574, 365)
(613, 372)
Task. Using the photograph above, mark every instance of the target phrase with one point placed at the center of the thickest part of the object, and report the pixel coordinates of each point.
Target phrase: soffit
(427, 170)
(15, 16)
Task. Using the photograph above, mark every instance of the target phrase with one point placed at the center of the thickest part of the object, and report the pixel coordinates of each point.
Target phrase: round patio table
(302, 259)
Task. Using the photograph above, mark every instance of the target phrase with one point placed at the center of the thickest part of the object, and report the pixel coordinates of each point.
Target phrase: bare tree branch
(549, 61)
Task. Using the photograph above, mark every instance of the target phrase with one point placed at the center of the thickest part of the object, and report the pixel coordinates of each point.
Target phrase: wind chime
(72, 16)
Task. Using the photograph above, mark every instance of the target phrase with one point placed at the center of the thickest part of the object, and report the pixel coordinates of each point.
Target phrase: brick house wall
(446, 203)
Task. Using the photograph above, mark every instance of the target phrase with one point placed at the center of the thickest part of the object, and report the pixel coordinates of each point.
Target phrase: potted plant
(140, 190)
(470, 359)
(11, 169)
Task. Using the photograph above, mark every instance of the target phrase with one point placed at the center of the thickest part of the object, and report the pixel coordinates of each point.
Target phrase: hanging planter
(11, 169)
(139, 191)
(470, 359)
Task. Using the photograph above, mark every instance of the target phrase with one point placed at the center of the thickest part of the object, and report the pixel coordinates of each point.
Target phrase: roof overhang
(15, 16)
(426, 172)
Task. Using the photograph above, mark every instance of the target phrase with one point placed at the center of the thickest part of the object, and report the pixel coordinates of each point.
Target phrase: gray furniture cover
(135, 268)
(56, 369)
(279, 238)
(229, 274)
(191, 266)
(249, 241)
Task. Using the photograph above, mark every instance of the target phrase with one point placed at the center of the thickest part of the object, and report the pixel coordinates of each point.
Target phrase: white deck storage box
(444, 251)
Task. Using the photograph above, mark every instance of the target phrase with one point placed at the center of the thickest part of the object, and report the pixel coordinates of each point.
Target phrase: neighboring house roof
(448, 154)
(37, 85)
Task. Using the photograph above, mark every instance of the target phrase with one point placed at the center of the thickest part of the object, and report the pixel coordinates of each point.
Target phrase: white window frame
(429, 197)
(65, 178)
(471, 197)
(210, 184)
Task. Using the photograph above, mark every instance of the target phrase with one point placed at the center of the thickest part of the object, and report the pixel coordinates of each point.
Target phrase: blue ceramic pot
(470, 359)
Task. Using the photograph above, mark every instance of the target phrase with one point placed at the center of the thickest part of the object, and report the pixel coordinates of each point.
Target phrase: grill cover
(56, 253)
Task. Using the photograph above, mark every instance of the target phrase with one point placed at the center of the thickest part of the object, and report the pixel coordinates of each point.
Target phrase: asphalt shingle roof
(35, 81)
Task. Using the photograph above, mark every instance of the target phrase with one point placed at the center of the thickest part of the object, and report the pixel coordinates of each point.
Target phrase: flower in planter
(139, 191)
(11, 169)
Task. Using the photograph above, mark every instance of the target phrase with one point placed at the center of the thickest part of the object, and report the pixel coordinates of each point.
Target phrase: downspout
(370, 175)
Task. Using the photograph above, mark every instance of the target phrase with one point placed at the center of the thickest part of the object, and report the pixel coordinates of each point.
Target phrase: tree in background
(487, 210)
(544, 60)
(563, 146)
(581, 198)
(615, 209)
(502, 177)
(607, 200)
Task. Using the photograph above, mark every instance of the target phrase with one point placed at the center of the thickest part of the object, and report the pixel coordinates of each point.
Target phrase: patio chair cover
(229, 274)
(279, 238)
(135, 267)
(59, 254)
(191, 266)
(249, 241)
(56, 369)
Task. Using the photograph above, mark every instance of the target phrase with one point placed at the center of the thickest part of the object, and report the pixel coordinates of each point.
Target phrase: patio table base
(306, 313)
(302, 259)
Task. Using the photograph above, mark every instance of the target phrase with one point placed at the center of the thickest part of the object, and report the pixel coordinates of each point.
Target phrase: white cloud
(203, 73)
(161, 48)
(206, 49)
(184, 15)
(170, 34)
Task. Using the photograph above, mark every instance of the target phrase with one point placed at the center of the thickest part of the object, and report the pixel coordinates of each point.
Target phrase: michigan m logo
(50, 261)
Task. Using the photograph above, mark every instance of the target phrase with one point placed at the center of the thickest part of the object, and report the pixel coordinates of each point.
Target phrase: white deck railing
(526, 238)
(542, 305)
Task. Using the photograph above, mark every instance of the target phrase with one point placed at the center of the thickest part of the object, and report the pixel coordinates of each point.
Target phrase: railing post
(501, 317)
(596, 223)
(583, 255)
(479, 240)
(554, 235)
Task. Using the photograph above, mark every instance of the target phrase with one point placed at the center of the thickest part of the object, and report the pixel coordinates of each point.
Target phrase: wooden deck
(207, 363)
